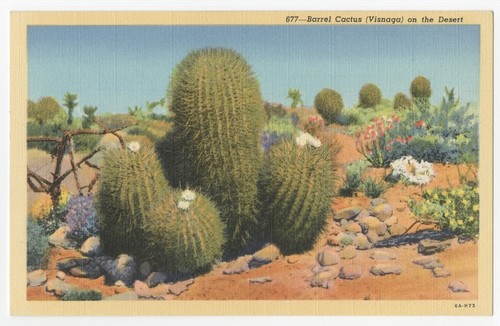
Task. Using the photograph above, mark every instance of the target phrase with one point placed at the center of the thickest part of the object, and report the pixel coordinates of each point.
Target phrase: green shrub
(218, 118)
(329, 104)
(281, 126)
(38, 245)
(50, 130)
(401, 102)
(86, 143)
(44, 110)
(353, 178)
(296, 189)
(349, 118)
(373, 188)
(369, 96)
(420, 87)
(274, 109)
(130, 182)
(185, 235)
(82, 295)
(115, 121)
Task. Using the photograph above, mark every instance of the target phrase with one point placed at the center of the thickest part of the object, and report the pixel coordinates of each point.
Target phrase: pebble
(58, 287)
(353, 227)
(382, 255)
(429, 247)
(156, 278)
(324, 279)
(458, 286)
(350, 272)
(61, 275)
(264, 256)
(391, 221)
(369, 223)
(260, 280)
(349, 252)
(60, 238)
(372, 236)
(293, 259)
(381, 229)
(429, 262)
(36, 278)
(238, 266)
(91, 247)
(382, 212)
(120, 284)
(441, 272)
(362, 242)
(328, 258)
(385, 269)
(347, 213)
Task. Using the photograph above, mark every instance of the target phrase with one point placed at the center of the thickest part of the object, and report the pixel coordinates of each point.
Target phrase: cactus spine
(296, 188)
(130, 182)
(218, 118)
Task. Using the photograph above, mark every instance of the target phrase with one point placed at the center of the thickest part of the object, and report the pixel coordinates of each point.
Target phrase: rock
(68, 263)
(37, 278)
(91, 247)
(120, 284)
(332, 241)
(382, 255)
(156, 278)
(385, 269)
(362, 214)
(60, 238)
(369, 223)
(441, 272)
(318, 269)
(378, 201)
(125, 296)
(347, 213)
(391, 221)
(324, 279)
(429, 262)
(381, 229)
(144, 291)
(328, 258)
(238, 266)
(58, 287)
(61, 275)
(362, 242)
(293, 259)
(260, 280)
(91, 270)
(264, 256)
(343, 223)
(122, 268)
(397, 229)
(458, 286)
(179, 287)
(372, 236)
(350, 272)
(144, 270)
(429, 247)
(382, 212)
(353, 227)
(348, 252)
(345, 239)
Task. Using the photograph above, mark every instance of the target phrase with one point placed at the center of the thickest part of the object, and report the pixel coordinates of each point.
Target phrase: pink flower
(420, 124)
(375, 120)
(409, 138)
(387, 148)
(395, 118)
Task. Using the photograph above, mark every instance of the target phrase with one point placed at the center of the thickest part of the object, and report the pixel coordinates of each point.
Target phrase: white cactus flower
(134, 146)
(415, 172)
(188, 195)
(306, 139)
(184, 205)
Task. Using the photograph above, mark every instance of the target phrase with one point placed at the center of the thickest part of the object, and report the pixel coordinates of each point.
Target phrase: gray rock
(458, 286)
(362, 242)
(68, 263)
(293, 259)
(382, 255)
(369, 223)
(324, 279)
(350, 272)
(156, 278)
(122, 268)
(429, 262)
(441, 272)
(37, 278)
(120, 284)
(391, 221)
(91, 270)
(353, 227)
(372, 236)
(318, 269)
(378, 201)
(58, 287)
(348, 252)
(61, 275)
(264, 256)
(238, 266)
(347, 213)
(179, 287)
(362, 214)
(397, 229)
(328, 258)
(91, 247)
(60, 238)
(260, 280)
(144, 270)
(382, 212)
(429, 247)
(385, 269)
(345, 239)
(125, 296)
(343, 223)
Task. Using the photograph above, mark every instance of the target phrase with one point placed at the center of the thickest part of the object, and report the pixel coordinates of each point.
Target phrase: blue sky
(114, 67)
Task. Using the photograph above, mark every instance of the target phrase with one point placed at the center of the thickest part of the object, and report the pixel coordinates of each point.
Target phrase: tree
(294, 94)
(71, 103)
(45, 109)
(89, 117)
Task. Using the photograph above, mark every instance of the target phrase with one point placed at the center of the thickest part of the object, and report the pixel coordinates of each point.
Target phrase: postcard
(251, 163)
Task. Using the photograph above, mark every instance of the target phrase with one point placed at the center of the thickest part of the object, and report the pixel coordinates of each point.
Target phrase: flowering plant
(456, 210)
(187, 197)
(314, 124)
(413, 171)
(305, 138)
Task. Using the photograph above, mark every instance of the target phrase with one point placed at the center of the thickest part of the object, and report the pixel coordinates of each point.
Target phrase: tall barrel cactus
(131, 181)
(218, 119)
(185, 234)
(295, 190)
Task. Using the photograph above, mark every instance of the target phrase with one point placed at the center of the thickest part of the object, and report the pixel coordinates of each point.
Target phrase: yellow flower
(461, 192)
(41, 207)
(460, 222)
(64, 197)
(465, 202)
(445, 193)
(446, 214)
(476, 190)
(470, 219)
(453, 222)
(453, 213)
(448, 201)
(436, 197)
(424, 209)
(475, 208)
(453, 192)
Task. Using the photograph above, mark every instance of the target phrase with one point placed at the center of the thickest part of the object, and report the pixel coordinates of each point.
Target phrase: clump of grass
(82, 295)
(373, 188)
(353, 178)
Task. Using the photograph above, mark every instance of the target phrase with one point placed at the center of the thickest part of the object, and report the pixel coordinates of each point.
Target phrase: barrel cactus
(131, 181)
(329, 104)
(369, 96)
(401, 102)
(219, 116)
(185, 234)
(420, 87)
(295, 190)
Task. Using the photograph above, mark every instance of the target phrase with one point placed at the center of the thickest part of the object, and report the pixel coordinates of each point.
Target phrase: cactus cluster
(185, 233)
(329, 104)
(131, 182)
(295, 191)
(369, 96)
(218, 119)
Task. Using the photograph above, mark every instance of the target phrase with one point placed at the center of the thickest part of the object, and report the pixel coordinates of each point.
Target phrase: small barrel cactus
(369, 96)
(131, 181)
(81, 218)
(401, 102)
(420, 87)
(329, 104)
(295, 190)
(185, 235)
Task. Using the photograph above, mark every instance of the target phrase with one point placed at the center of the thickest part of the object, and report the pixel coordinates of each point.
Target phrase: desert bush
(401, 102)
(82, 295)
(353, 178)
(369, 96)
(185, 234)
(314, 125)
(37, 245)
(295, 192)
(115, 121)
(373, 188)
(274, 109)
(348, 118)
(86, 143)
(219, 130)
(44, 110)
(46, 215)
(81, 218)
(131, 180)
(329, 104)
(50, 129)
(420, 87)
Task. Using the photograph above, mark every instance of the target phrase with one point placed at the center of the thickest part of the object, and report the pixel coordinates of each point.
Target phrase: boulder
(238, 266)
(381, 229)
(91, 247)
(385, 269)
(382, 212)
(397, 229)
(369, 223)
(347, 213)
(353, 227)
(429, 262)
(362, 242)
(328, 258)
(382, 255)
(349, 252)
(91, 270)
(122, 268)
(264, 256)
(324, 279)
(144, 270)
(36, 278)
(350, 272)
(156, 278)
(429, 247)
(68, 263)
(58, 287)
(60, 238)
